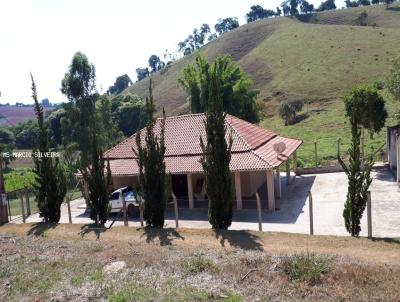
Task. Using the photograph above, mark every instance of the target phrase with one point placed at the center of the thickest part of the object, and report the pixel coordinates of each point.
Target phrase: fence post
(369, 214)
(124, 209)
(259, 212)
(22, 206)
(8, 204)
(316, 153)
(338, 146)
(28, 205)
(310, 203)
(141, 210)
(175, 210)
(69, 209)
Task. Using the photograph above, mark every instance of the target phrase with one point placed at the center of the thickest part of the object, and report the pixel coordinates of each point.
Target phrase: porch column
(398, 158)
(295, 163)
(279, 183)
(271, 193)
(190, 191)
(238, 189)
(287, 172)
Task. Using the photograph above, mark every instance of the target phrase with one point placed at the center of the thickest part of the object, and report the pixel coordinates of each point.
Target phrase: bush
(308, 267)
(197, 264)
(289, 109)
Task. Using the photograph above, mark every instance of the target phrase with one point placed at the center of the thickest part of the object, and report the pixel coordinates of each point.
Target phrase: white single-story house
(257, 155)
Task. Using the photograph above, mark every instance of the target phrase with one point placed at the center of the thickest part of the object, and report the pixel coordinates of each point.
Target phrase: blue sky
(118, 36)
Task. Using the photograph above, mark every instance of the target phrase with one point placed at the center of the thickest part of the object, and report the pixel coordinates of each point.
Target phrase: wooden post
(141, 207)
(259, 212)
(338, 146)
(369, 214)
(22, 206)
(28, 205)
(69, 210)
(316, 153)
(190, 191)
(295, 163)
(287, 172)
(271, 189)
(278, 183)
(4, 205)
(175, 210)
(310, 203)
(124, 210)
(238, 189)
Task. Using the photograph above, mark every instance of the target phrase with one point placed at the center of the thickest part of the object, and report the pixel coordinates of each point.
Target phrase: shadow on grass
(239, 239)
(40, 228)
(387, 240)
(92, 228)
(164, 236)
(396, 9)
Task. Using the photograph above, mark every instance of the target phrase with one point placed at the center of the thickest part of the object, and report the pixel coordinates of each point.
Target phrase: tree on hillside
(306, 8)
(365, 108)
(155, 63)
(238, 97)
(257, 12)
(393, 80)
(121, 83)
(278, 11)
(364, 2)
(54, 122)
(79, 86)
(152, 177)
(289, 109)
(327, 5)
(293, 7)
(285, 8)
(375, 1)
(129, 112)
(194, 41)
(217, 155)
(50, 187)
(225, 25)
(142, 73)
(352, 3)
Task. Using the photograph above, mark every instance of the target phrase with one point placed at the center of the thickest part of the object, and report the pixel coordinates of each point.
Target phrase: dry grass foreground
(63, 262)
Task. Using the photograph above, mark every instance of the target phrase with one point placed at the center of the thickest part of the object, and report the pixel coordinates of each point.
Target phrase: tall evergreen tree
(365, 108)
(79, 85)
(51, 181)
(152, 177)
(216, 157)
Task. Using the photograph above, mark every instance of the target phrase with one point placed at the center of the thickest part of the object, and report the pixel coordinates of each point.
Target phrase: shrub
(197, 264)
(308, 267)
(289, 109)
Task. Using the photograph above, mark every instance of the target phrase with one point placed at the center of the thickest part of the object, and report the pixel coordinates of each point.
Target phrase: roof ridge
(180, 116)
(247, 144)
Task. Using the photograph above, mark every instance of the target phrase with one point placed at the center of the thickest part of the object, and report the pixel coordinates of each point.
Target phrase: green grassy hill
(316, 58)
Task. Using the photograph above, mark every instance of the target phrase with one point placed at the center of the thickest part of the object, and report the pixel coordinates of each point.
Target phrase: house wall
(123, 181)
(252, 181)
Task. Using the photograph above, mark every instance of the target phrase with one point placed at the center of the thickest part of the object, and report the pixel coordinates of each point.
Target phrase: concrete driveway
(329, 194)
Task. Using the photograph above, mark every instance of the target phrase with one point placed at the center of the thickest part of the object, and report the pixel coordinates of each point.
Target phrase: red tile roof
(252, 149)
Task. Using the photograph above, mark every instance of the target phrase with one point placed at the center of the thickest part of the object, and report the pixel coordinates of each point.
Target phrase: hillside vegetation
(316, 58)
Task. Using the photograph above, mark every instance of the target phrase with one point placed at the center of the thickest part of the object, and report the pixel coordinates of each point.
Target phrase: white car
(116, 202)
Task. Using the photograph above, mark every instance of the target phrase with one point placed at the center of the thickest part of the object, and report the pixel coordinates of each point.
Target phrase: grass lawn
(72, 262)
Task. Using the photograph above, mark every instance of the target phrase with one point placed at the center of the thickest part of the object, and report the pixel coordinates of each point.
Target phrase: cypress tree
(152, 177)
(216, 158)
(365, 108)
(51, 181)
